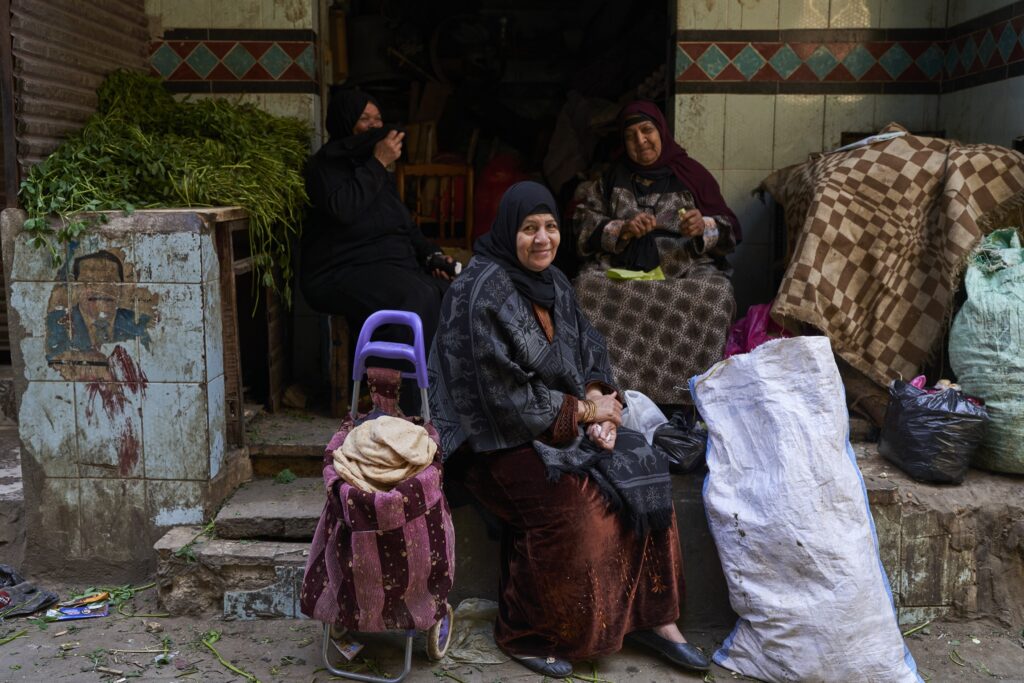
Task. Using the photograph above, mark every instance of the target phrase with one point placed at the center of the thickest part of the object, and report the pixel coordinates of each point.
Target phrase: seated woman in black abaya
(361, 251)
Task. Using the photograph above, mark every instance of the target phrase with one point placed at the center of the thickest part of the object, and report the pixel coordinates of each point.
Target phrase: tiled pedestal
(118, 359)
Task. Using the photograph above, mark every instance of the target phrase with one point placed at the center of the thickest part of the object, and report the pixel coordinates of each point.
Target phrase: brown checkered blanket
(881, 234)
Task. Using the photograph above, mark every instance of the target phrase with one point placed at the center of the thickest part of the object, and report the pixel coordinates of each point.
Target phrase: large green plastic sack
(986, 347)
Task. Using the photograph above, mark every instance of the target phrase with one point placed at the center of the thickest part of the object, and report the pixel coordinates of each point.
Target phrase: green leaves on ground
(285, 476)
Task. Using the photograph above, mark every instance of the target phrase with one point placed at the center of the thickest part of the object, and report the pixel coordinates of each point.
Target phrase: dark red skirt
(575, 578)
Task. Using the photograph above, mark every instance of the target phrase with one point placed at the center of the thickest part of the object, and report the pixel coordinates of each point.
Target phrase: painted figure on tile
(89, 318)
(97, 312)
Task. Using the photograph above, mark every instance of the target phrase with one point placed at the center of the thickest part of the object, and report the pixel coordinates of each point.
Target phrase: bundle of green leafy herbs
(145, 149)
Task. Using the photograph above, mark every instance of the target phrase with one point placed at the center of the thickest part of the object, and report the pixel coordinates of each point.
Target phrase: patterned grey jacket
(495, 380)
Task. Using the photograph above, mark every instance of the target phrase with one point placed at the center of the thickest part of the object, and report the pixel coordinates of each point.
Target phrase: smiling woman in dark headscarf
(657, 209)
(520, 385)
(361, 251)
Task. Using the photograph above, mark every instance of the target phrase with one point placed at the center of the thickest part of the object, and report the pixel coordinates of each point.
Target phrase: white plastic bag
(787, 508)
(642, 415)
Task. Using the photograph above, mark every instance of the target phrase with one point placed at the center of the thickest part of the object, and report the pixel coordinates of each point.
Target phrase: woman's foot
(552, 667)
(672, 646)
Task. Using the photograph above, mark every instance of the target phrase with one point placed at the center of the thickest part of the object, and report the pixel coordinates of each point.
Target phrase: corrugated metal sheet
(62, 51)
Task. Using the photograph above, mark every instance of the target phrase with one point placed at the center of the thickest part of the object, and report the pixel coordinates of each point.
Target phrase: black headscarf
(519, 201)
(343, 112)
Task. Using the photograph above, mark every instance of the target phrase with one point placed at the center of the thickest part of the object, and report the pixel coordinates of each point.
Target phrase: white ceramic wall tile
(994, 124)
(913, 14)
(57, 513)
(31, 264)
(174, 503)
(109, 428)
(906, 110)
(177, 347)
(302, 106)
(1013, 106)
(757, 14)
(288, 13)
(190, 13)
(963, 10)
(930, 112)
(799, 126)
(42, 310)
(803, 13)
(847, 114)
(237, 14)
(217, 416)
(46, 422)
(155, 18)
(114, 519)
(208, 253)
(700, 122)
(214, 330)
(120, 244)
(749, 131)
(175, 420)
(855, 13)
(702, 14)
(957, 113)
(169, 257)
(738, 193)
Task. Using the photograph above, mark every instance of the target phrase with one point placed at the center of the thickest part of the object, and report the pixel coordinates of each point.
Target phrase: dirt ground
(121, 648)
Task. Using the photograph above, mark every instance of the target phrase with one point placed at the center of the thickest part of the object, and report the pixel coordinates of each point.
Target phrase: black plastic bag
(18, 597)
(931, 436)
(685, 444)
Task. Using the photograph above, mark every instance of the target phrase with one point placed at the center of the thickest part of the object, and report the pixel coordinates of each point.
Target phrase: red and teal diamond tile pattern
(233, 60)
(878, 61)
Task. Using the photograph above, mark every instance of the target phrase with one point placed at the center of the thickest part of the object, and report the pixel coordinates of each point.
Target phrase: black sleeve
(421, 244)
(345, 191)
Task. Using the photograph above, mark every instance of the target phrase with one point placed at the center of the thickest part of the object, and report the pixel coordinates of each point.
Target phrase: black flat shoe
(680, 654)
(552, 667)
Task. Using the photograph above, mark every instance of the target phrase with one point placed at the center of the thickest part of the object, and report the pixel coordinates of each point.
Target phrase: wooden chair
(339, 372)
(436, 199)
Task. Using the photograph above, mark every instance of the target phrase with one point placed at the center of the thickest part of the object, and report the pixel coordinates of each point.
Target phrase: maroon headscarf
(697, 179)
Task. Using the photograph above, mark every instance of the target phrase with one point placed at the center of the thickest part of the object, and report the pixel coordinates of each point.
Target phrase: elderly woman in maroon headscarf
(659, 213)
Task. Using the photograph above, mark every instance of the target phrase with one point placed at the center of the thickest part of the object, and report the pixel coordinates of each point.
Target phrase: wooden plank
(10, 146)
(232, 352)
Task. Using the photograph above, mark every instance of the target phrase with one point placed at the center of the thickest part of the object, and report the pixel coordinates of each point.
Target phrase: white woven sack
(788, 510)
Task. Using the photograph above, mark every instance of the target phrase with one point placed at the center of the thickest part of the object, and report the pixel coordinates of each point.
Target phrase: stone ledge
(949, 551)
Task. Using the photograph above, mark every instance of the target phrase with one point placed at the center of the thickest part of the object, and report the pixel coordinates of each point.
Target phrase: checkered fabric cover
(881, 236)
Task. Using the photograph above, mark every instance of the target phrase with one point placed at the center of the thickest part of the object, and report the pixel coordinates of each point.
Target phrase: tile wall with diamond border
(982, 50)
(236, 60)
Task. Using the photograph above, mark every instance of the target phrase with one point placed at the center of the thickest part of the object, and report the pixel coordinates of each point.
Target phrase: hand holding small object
(691, 222)
(639, 225)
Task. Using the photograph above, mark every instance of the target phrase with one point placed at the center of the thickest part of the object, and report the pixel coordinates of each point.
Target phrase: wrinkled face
(643, 143)
(370, 118)
(537, 241)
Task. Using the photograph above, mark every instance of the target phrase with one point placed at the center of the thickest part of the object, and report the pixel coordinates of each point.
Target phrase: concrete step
(266, 509)
(949, 551)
